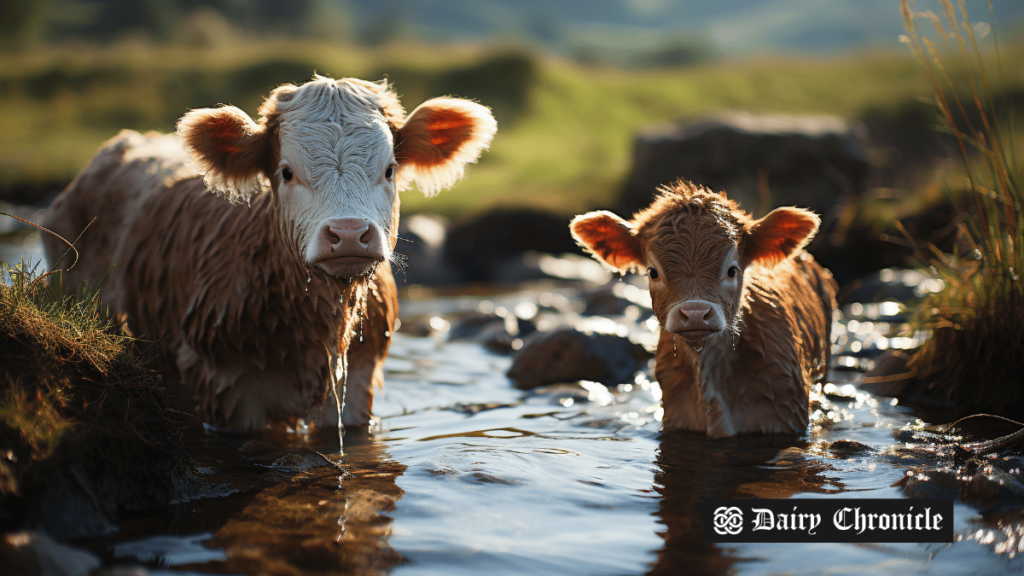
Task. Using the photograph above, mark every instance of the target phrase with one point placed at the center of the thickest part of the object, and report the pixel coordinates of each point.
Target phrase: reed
(974, 358)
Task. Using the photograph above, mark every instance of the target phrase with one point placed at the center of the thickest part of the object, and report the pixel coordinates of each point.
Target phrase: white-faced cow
(258, 253)
(746, 314)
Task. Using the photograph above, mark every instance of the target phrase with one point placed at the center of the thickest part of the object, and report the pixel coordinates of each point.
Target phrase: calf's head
(336, 153)
(695, 246)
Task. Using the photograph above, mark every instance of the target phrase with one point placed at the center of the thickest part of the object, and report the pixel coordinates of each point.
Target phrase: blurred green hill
(565, 129)
(569, 82)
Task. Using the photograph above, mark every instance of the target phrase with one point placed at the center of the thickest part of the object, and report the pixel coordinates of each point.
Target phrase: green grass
(564, 143)
(975, 356)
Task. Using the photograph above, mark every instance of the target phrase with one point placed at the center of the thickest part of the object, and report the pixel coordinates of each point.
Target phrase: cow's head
(695, 246)
(336, 154)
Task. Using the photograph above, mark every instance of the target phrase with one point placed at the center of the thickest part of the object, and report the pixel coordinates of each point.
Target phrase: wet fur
(220, 280)
(754, 376)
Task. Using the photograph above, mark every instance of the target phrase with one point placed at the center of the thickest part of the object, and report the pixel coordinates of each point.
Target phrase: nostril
(366, 237)
(332, 236)
(707, 315)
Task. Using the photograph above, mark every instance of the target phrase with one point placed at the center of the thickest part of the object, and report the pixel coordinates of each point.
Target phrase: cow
(746, 313)
(257, 255)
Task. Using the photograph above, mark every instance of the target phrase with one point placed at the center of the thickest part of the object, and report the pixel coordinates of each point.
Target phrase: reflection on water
(469, 475)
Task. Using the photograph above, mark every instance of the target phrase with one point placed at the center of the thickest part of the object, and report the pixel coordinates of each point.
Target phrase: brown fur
(239, 323)
(753, 376)
(240, 317)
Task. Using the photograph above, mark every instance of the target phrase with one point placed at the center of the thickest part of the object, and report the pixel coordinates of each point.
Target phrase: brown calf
(746, 313)
(255, 253)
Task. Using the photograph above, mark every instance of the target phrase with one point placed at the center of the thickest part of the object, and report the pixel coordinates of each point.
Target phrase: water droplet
(1016, 205)
(387, 334)
(675, 353)
(977, 254)
(309, 277)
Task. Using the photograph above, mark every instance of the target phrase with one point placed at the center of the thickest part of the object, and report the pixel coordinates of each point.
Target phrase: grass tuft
(974, 358)
(83, 423)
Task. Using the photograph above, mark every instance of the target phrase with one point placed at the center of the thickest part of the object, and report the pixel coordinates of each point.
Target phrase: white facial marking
(338, 146)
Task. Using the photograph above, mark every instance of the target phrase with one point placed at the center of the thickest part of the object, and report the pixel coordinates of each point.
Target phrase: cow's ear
(438, 139)
(609, 239)
(227, 148)
(777, 236)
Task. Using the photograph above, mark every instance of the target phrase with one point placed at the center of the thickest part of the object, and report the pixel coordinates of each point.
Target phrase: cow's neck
(285, 293)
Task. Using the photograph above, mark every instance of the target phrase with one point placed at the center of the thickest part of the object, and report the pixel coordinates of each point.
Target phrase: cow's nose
(348, 233)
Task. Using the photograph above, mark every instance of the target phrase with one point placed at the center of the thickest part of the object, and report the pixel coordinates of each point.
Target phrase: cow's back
(785, 347)
(107, 197)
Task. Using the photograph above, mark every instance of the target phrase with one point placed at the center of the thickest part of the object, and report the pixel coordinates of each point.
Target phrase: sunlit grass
(568, 150)
(975, 358)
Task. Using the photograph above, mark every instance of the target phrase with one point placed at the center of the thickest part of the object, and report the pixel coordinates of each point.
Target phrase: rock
(809, 161)
(497, 332)
(478, 247)
(36, 554)
(847, 448)
(421, 240)
(568, 355)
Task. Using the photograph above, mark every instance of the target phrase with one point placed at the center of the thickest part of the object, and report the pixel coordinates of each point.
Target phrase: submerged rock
(568, 355)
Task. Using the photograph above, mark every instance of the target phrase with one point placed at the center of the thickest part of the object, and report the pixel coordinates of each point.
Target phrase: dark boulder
(421, 242)
(568, 355)
(496, 332)
(480, 247)
(808, 161)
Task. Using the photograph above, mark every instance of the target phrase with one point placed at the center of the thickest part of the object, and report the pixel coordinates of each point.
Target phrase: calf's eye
(390, 172)
(733, 271)
(287, 174)
(652, 273)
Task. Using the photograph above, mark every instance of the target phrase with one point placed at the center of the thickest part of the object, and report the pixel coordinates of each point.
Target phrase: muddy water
(468, 475)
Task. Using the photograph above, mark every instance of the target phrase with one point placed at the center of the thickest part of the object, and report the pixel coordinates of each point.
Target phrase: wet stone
(847, 448)
(568, 355)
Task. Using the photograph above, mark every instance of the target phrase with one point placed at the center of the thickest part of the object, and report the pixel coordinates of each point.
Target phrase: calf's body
(745, 312)
(255, 306)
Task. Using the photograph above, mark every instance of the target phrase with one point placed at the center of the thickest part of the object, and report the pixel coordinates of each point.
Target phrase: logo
(828, 520)
(728, 520)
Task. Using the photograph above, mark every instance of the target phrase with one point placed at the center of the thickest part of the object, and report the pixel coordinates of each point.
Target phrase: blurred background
(598, 101)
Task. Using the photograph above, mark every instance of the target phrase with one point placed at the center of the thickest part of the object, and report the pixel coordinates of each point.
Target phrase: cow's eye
(733, 271)
(287, 174)
(390, 172)
(652, 273)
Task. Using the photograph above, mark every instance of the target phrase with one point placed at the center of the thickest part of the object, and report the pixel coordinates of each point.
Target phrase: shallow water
(468, 475)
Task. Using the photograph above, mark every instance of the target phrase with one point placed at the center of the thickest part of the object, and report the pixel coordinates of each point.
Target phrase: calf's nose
(696, 315)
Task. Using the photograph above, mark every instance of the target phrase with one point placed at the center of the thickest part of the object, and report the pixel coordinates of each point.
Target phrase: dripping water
(339, 400)
(675, 354)
(309, 278)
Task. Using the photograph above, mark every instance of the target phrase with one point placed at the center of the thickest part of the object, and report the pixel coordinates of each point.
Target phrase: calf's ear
(227, 148)
(438, 139)
(611, 240)
(777, 236)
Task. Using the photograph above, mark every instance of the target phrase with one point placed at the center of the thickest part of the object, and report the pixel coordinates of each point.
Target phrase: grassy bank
(565, 130)
(84, 431)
